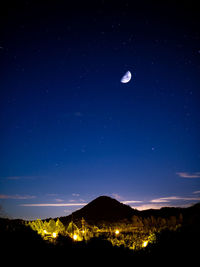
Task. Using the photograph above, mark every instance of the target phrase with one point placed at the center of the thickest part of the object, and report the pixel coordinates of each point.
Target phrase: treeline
(47, 227)
(157, 223)
(53, 228)
(143, 223)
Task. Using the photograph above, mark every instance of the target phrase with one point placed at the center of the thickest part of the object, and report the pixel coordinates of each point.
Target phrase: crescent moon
(126, 78)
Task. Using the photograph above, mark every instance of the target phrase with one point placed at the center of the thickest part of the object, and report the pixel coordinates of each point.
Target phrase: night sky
(71, 131)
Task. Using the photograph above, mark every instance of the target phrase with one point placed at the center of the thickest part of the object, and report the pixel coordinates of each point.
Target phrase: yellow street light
(116, 231)
(75, 237)
(54, 235)
(145, 243)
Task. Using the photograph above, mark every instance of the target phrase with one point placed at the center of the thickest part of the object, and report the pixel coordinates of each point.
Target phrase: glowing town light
(54, 235)
(75, 237)
(117, 232)
(45, 232)
(145, 243)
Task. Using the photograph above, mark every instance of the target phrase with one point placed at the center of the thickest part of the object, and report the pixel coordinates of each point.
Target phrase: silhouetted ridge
(104, 208)
(107, 209)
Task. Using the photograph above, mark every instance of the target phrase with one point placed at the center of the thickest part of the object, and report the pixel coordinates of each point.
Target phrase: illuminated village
(119, 234)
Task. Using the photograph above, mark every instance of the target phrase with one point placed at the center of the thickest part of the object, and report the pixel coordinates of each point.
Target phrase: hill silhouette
(103, 208)
(109, 210)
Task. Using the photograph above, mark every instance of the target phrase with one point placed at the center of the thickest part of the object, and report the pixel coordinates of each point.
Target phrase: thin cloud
(75, 195)
(173, 198)
(59, 200)
(72, 200)
(2, 196)
(171, 201)
(131, 201)
(19, 178)
(158, 206)
(121, 199)
(53, 204)
(14, 178)
(196, 192)
(117, 196)
(159, 200)
(188, 175)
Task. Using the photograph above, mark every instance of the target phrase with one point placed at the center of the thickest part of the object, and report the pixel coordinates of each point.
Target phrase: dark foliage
(19, 242)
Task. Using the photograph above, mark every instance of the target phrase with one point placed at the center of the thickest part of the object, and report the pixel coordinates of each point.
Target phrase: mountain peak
(104, 208)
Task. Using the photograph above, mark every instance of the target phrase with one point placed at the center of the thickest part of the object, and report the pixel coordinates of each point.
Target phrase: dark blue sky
(71, 131)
